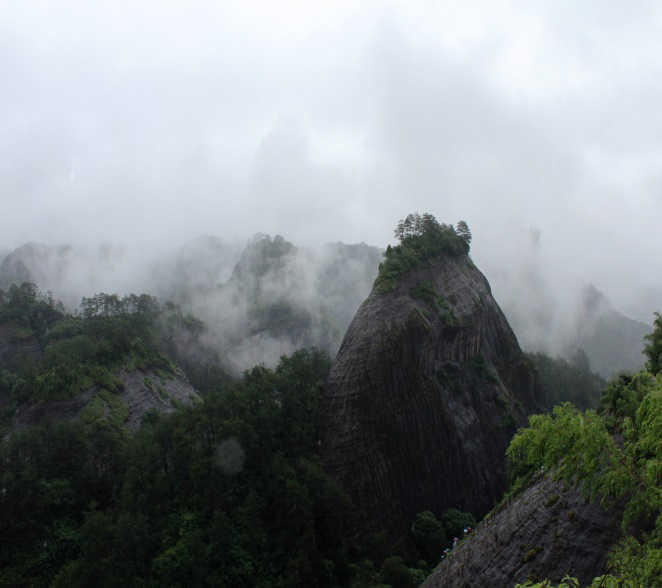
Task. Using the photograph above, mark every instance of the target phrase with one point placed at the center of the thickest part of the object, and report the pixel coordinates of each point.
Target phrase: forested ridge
(231, 490)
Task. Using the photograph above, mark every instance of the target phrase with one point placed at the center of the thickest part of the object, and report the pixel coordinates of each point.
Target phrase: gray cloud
(153, 123)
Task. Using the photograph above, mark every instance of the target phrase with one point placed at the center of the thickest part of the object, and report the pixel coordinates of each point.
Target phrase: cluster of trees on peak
(426, 225)
(421, 239)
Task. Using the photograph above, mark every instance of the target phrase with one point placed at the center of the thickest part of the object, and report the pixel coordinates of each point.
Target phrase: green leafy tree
(654, 347)
(464, 233)
(581, 450)
(429, 536)
(422, 239)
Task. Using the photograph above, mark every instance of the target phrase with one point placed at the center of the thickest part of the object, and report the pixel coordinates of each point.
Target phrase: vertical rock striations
(426, 391)
(549, 531)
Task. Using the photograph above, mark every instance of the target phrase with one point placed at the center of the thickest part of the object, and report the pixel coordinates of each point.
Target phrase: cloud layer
(152, 123)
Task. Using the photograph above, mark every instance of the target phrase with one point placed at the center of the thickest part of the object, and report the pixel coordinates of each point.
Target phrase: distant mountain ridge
(261, 307)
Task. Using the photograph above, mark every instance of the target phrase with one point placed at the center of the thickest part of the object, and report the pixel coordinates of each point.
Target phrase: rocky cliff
(547, 532)
(141, 391)
(427, 388)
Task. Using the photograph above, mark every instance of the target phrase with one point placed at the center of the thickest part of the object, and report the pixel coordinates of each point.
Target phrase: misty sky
(153, 122)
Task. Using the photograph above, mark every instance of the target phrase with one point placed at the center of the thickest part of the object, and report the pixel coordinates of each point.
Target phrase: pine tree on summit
(464, 232)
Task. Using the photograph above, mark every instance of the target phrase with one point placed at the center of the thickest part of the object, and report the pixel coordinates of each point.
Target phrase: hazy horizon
(149, 124)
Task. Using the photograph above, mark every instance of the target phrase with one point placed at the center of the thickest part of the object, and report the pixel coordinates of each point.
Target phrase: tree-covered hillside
(569, 381)
(227, 492)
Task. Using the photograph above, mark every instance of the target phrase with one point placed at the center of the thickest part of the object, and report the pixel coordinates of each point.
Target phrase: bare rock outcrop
(142, 391)
(424, 395)
(547, 532)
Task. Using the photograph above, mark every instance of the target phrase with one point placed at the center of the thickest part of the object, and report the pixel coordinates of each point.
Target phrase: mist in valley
(144, 145)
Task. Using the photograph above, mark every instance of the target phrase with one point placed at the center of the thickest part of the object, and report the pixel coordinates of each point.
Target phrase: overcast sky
(153, 122)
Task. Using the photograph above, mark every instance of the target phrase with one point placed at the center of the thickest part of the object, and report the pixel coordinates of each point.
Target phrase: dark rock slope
(142, 391)
(547, 532)
(425, 393)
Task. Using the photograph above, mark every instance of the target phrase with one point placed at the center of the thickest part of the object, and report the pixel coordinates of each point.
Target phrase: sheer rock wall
(424, 396)
(547, 532)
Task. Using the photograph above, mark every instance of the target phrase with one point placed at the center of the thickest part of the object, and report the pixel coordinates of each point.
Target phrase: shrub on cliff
(581, 450)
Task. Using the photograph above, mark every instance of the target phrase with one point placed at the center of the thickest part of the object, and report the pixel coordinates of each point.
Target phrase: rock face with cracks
(424, 395)
(142, 391)
(546, 532)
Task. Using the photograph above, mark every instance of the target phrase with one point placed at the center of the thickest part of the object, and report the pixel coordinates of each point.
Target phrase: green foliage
(279, 319)
(449, 379)
(93, 413)
(455, 521)
(87, 350)
(568, 381)
(463, 232)
(531, 554)
(623, 396)
(607, 581)
(425, 291)
(161, 509)
(396, 573)
(422, 239)
(25, 306)
(480, 365)
(431, 535)
(119, 412)
(653, 348)
(581, 451)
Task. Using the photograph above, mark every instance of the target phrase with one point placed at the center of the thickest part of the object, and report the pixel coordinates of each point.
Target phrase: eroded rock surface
(547, 532)
(143, 391)
(427, 388)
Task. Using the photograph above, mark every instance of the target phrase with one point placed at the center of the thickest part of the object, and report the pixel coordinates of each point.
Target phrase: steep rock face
(427, 388)
(547, 532)
(142, 391)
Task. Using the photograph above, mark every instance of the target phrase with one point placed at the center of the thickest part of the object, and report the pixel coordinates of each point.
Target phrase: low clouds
(154, 123)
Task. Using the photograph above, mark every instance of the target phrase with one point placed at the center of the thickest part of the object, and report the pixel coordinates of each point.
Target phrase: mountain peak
(426, 390)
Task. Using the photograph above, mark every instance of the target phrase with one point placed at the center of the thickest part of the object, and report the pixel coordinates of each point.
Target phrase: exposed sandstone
(424, 396)
(142, 391)
(547, 532)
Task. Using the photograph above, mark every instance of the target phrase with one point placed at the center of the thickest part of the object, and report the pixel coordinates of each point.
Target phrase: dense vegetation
(422, 239)
(74, 352)
(229, 492)
(569, 381)
(582, 448)
(28, 309)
